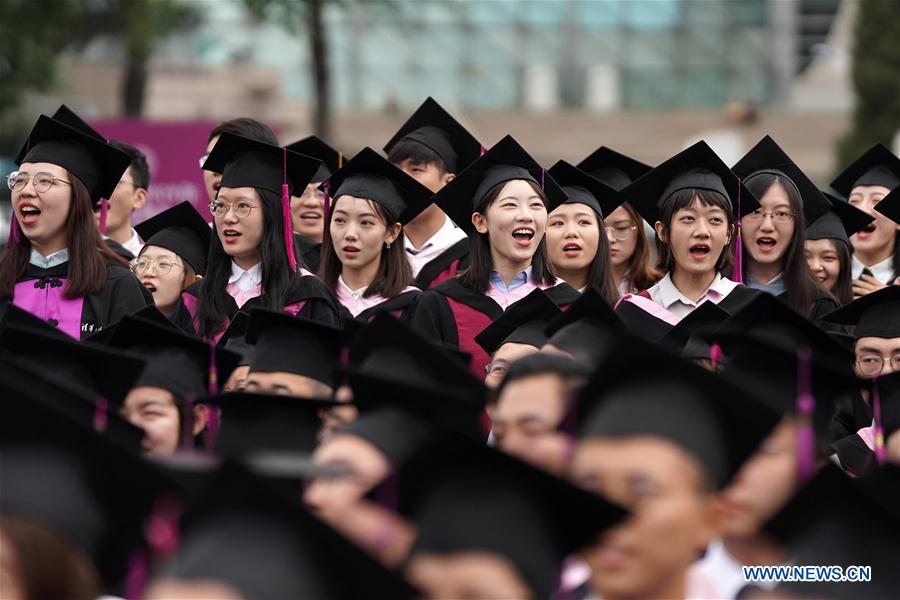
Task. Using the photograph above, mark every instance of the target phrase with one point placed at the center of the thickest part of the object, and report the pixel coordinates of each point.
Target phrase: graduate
(364, 262)
(865, 183)
(774, 235)
(242, 126)
(828, 250)
(629, 247)
(662, 441)
(56, 265)
(515, 334)
(693, 200)
(432, 148)
(308, 209)
(584, 331)
(251, 258)
(502, 201)
(576, 240)
(174, 254)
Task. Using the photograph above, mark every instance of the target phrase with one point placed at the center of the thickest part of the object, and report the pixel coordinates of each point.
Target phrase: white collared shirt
(246, 280)
(669, 297)
(134, 243)
(47, 262)
(354, 301)
(445, 237)
(883, 271)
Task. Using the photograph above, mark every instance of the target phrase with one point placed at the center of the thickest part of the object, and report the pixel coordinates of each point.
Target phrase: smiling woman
(56, 266)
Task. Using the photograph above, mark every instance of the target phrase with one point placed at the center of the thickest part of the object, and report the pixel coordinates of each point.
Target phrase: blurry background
(646, 77)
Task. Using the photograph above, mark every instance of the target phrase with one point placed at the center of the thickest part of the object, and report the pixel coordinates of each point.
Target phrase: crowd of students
(446, 371)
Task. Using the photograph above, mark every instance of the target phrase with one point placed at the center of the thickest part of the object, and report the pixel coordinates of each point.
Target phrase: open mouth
(310, 216)
(523, 235)
(766, 244)
(149, 286)
(29, 213)
(870, 228)
(350, 250)
(699, 251)
(231, 236)
(571, 249)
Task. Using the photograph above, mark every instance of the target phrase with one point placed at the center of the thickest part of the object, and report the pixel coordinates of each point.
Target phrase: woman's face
(358, 233)
(573, 235)
(307, 212)
(824, 262)
(515, 223)
(240, 236)
(878, 237)
(154, 410)
(697, 236)
(471, 574)
(42, 215)
(620, 224)
(162, 272)
(768, 231)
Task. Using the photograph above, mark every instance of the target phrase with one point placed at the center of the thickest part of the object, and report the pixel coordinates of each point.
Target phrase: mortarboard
(613, 168)
(767, 157)
(522, 323)
(234, 338)
(697, 167)
(432, 126)
(505, 161)
(289, 344)
(874, 315)
(877, 166)
(839, 223)
(314, 146)
(369, 175)
(681, 339)
(586, 328)
(182, 230)
(582, 188)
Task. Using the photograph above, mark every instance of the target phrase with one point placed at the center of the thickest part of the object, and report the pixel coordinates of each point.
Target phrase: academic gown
(306, 297)
(444, 266)
(400, 306)
(40, 292)
(119, 249)
(454, 314)
(309, 251)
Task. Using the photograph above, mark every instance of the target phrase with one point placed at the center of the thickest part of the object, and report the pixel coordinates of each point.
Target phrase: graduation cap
(505, 161)
(94, 162)
(642, 324)
(522, 323)
(182, 230)
(253, 423)
(466, 497)
(642, 390)
(840, 222)
(432, 126)
(177, 362)
(586, 328)
(767, 158)
(243, 532)
(890, 206)
(877, 166)
(581, 188)
(697, 167)
(681, 339)
(289, 344)
(92, 369)
(234, 338)
(369, 175)
(874, 315)
(836, 520)
(612, 168)
(314, 146)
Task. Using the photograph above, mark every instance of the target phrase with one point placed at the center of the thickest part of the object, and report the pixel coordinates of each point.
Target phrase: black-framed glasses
(42, 181)
(241, 209)
(872, 364)
(778, 216)
(163, 266)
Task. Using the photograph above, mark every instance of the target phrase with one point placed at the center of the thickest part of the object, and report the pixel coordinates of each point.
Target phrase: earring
(387, 245)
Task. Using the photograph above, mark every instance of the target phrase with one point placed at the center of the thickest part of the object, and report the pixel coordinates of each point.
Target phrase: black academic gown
(40, 291)
(306, 297)
(444, 266)
(453, 314)
(400, 306)
(309, 251)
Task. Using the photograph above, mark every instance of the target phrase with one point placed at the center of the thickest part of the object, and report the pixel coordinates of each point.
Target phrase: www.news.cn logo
(808, 573)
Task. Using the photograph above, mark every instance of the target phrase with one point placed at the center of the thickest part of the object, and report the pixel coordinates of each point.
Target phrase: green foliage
(876, 78)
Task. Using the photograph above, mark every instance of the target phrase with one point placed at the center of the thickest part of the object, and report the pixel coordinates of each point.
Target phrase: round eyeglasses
(41, 181)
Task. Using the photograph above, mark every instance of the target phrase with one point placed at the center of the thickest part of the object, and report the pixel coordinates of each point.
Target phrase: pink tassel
(162, 535)
(104, 209)
(136, 578)
(101, 405)
(14, 232)
(738, 272)
(715, 355)
(806, 405)
(880, 452)
(483, 151)
(212, 386)
(286, 216)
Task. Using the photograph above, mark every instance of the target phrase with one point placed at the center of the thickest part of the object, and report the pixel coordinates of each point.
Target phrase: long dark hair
(639, 272)
(800, 288)
(274, 266)
(394, 272)
(685, 199)
(478, 275)
(843, 287)
(89, 256)
(600, 275)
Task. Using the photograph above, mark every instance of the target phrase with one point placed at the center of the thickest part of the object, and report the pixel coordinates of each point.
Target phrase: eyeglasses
(620, 232)
(241, 209)
(872, 364)
(498, 369)
(779, 216)
(163, 266)
(202, 160)
(42, 181)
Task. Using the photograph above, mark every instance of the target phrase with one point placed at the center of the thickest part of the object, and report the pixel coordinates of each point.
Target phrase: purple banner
(172, 149)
